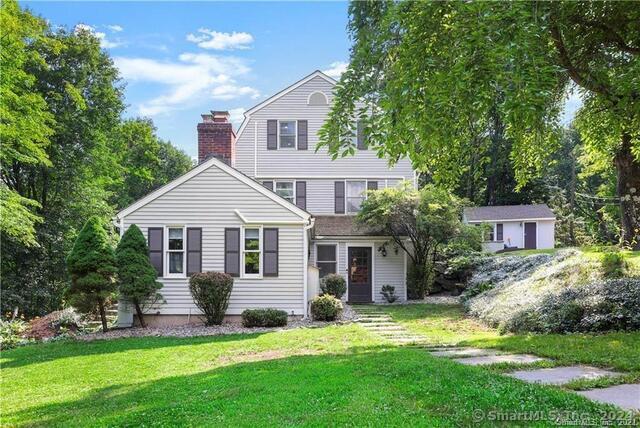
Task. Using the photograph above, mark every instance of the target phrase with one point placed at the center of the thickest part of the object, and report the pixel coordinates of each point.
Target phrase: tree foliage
(136, 276)
(92, 267)
(425, 77)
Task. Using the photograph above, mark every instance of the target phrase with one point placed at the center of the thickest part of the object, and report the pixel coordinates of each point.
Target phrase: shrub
(12, 333)
(389, 293)
(55, 324)
(211, 292)
(136, 276)
(613, 264)
(325, 308)
(264, 318)
(334, 285)
(475, 289)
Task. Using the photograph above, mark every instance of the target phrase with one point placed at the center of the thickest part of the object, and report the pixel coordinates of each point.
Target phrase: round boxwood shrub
(325, 308)
(334, 285)
(211, 292)
(264, 318)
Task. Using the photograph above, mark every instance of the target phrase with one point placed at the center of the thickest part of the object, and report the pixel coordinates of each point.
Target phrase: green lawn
(331, 376)
(447, 325)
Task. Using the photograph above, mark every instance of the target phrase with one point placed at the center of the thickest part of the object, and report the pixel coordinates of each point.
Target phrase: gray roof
(509, 212)
(339, 225)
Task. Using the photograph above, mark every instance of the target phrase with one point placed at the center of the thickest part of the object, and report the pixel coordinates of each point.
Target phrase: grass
(331, 376)
(447, 325)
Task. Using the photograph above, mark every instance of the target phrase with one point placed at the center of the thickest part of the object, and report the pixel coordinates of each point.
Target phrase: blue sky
(183, 59)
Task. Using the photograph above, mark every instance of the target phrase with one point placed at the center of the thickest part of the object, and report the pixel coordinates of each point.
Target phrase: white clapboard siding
(208, 200)
(307, 163)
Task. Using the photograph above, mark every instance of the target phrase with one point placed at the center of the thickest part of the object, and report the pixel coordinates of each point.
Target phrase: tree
(420, 222)
(136, 276)
(25, 123)
(92, 267)
(423, 78)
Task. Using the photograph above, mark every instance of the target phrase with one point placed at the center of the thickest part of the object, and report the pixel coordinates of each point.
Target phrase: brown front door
(359, 274)
(530, 236)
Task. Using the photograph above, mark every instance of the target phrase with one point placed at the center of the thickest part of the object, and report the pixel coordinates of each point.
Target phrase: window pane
(288, 141)
(175, 239)
(285, 189)
(252, 239)
(326, 253)
(288, 128)
(326, 268)
(356, 188)
(353, 204)
(252, 262)
(175, 262)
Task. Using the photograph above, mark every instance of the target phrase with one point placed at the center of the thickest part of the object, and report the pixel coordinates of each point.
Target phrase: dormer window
(287, 134)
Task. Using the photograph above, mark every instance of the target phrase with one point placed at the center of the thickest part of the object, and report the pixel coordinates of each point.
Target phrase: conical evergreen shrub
(136, 275)
(92, 267)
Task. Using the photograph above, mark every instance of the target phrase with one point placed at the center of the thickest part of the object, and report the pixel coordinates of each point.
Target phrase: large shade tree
(425, 76)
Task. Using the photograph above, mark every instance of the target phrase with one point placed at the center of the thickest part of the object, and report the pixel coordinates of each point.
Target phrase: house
(515, 226)
(264, 206)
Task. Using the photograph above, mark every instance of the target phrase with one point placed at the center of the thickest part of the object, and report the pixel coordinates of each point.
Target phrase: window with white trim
(251, 250)
(287, 134)
(286, 190)
(326, 259)
(175, 251)
(356, 191)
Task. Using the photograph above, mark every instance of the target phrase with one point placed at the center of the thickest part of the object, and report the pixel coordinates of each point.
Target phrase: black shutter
(270, 252)
(499, 232)
(362, 144)
(372, 185)
(301, 194)
(232, 251)
(156, 244)
(272, 134)
(194, 250)
(339, 197)
(268, 185)
(302, 135)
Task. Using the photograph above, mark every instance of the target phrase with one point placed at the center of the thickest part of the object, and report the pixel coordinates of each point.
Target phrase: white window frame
(243, 274)
(320, 244)
(346, 194)
(295, 135)
(293, 182)
(167, 251)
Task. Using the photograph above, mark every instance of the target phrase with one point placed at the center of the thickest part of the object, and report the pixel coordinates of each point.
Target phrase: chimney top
(216, 117)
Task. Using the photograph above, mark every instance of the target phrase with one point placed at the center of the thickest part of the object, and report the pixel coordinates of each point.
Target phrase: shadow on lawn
(364, 386)
(24, 356)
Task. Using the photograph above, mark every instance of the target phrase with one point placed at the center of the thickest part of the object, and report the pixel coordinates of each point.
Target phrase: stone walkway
(626, 396)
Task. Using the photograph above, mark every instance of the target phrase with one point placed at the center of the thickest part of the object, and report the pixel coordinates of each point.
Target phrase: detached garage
(515, 226)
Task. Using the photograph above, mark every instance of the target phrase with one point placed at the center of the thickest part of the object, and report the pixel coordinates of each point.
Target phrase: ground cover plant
(328, 376)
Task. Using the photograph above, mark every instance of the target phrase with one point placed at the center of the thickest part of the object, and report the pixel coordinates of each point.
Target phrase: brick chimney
(216, 137)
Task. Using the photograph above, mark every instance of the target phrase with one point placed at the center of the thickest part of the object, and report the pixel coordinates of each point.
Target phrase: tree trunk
(628, 189)
(103, 316)
(139, 313)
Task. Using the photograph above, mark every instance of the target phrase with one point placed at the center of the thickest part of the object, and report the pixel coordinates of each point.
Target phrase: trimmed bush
(334, 285)
(325, 308)
(211, 292)
(389, 293)
(264, 318)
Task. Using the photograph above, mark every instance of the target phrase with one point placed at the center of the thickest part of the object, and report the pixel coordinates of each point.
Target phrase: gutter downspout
(305, 231)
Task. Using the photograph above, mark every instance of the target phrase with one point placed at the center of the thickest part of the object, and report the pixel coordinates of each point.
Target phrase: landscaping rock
(626, 396)
(495, 359)
(464, 352)
(561, 375)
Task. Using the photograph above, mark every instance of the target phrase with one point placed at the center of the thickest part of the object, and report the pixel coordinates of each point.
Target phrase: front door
(530, 236)
(359, 273)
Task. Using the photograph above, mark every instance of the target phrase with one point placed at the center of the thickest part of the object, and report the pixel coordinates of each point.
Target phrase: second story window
(355, 195)
(285, 190)
(287, 134)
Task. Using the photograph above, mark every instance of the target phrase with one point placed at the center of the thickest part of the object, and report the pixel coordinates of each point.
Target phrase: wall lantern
(383, 250)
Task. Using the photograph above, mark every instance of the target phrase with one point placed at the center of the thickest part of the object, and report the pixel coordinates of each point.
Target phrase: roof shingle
(340, 225)
(509, 212)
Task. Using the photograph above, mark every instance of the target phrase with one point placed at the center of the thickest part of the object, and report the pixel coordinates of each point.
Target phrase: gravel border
(347, 316)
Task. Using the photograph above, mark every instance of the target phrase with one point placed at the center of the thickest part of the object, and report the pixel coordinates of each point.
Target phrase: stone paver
(626, 396)
(464, 352)
(493, 359)
(561, 375)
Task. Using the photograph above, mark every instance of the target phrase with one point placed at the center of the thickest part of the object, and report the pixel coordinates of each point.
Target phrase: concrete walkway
(626, 396)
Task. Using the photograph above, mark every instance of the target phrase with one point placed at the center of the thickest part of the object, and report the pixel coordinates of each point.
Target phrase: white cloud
(115, 28)
(336, 69)
(571, 106)
(191, 79)
(102, 37)
(209, 39)
(237, 116)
